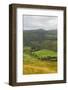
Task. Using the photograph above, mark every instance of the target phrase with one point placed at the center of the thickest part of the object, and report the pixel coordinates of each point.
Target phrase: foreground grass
(35, 66)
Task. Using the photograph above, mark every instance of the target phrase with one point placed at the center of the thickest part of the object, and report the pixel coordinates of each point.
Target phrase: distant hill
(40, 38)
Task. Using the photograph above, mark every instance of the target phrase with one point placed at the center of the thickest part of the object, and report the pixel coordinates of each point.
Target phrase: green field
(45, 53)
(33, 65)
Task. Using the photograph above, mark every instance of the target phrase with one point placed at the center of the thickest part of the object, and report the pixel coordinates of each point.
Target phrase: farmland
(33, 65)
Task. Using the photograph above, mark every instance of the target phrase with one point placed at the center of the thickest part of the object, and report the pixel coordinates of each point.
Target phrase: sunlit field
(35, 65)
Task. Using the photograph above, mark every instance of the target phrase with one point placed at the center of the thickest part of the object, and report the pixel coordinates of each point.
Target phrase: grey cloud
(36, 22)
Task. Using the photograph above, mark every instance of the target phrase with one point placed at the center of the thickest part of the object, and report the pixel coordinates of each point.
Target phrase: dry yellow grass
(29, 69)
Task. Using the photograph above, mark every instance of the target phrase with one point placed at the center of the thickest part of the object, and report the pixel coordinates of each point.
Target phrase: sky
(32, 22)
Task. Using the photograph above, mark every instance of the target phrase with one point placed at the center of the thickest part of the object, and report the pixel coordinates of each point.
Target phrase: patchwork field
(32, 65)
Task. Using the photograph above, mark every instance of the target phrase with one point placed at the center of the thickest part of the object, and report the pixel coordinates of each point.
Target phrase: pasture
(33, 65)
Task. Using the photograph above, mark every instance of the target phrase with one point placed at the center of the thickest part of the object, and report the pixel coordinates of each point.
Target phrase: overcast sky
(44, 22)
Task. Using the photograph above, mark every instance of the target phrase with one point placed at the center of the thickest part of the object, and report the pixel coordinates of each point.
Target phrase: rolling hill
(40, 39)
